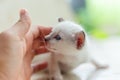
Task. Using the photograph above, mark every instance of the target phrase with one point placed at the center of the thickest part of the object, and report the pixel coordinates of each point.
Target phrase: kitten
(68, 44)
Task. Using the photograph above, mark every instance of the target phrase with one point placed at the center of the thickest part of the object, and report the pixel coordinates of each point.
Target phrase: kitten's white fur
(67, 47)
(66, 56)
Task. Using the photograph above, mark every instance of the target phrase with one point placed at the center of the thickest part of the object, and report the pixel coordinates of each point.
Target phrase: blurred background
(100, 18)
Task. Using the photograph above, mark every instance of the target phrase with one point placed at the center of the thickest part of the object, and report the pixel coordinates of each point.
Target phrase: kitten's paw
(99, 65)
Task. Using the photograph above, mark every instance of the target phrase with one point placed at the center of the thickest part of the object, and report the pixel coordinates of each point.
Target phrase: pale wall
(43, 12)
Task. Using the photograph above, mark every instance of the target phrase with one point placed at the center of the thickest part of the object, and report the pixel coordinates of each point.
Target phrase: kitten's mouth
(53, 50)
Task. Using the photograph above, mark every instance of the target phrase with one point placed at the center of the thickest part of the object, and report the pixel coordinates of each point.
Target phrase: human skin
(18, 46)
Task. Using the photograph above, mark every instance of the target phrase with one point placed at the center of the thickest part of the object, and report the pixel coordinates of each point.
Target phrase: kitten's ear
(60, 19)
(80, 39)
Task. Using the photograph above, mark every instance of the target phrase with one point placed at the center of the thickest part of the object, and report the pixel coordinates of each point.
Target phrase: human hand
(18, 46)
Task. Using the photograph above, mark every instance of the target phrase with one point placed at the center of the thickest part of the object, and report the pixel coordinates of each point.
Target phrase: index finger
(38, 31)
(45, 30)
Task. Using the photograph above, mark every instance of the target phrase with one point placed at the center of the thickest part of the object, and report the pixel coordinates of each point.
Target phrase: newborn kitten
(68, 45)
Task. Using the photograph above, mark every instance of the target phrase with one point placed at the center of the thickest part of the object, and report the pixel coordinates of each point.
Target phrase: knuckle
(5, 34)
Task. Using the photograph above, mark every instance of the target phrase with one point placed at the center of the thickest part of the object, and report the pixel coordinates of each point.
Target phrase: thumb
(23, 24)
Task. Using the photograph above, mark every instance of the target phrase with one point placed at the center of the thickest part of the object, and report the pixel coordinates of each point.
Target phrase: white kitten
(69, 48)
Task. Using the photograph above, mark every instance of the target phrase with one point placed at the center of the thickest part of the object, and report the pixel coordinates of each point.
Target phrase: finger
(37, 43)
(45, 30)
(41, 50)
(23, 25)
(39, 67)
(24, 16)
(38, 31)
(31, 35)
(31, 54)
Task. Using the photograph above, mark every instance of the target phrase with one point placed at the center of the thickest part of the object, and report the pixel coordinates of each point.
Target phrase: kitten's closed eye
(57, 37)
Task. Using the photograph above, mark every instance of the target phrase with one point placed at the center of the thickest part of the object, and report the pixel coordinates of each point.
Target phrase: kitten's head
(66, 35)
